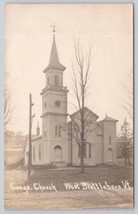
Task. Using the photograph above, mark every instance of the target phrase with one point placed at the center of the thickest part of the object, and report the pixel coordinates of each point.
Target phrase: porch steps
(60, 164)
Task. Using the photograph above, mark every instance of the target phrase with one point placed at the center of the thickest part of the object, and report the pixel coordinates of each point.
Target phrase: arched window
(56, 80)
(110, 155)
(57, 153)
(58, 147)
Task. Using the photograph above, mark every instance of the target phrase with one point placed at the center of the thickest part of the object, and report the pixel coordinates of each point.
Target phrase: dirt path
(72, 199)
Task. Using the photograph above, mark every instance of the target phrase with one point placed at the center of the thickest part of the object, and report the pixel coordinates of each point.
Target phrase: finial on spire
(54, 28)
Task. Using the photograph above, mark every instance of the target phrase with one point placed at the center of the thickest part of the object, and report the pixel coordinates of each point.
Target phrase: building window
(84, 149)
(79, 151)
(33, 153)
(45, 133)
(110, 139)
(58, 153)
(39, 152)
(56, 80)
(110, 155)
(89, 150)
(59, 131)
(48, 81)
(56, 130)
(45, 105)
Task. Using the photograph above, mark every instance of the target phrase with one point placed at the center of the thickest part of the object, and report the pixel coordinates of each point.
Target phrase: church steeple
(54, 62)
(54, 59)
(54, 110)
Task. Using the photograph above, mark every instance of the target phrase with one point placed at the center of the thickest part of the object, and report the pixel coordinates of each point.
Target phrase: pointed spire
(54, 62)
(54, 59)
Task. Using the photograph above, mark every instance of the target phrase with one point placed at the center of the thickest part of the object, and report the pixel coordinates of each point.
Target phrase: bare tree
(127, 88)
(126, 148)
(82, 123)
(7, 104)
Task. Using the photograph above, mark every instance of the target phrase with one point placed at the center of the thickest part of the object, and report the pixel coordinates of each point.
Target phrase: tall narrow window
(56, 80)
(78, 151)
(33, 153)
(56, 130)
(84, 150)
(39, 152)
(45, 105)
(59, 131)
(110, 155)
(48, 81)
(45, 133)
(110, 139)
(89, 150)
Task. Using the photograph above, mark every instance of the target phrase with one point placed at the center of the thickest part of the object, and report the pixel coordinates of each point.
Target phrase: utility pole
(30, 136)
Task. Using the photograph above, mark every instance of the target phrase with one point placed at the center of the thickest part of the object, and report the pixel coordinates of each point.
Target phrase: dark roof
(85, 109)
(54, 62)
(109, 119)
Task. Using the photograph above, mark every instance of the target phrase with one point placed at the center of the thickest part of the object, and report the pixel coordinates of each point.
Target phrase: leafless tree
(82, 123)
(6, 110)
(126, 147)
(7, 106)
(127, 88)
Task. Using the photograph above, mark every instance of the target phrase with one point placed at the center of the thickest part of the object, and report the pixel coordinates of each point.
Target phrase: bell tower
(54, 110)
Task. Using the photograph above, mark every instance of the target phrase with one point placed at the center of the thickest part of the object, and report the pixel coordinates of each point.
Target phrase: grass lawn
(122, 198)
(111, 174)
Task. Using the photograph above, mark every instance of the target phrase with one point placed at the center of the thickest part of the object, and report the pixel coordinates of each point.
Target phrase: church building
(57, 145)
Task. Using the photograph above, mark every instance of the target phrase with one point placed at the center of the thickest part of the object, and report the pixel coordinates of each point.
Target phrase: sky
(28, 41)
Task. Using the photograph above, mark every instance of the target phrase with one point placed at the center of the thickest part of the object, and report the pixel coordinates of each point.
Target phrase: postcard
(68, 106)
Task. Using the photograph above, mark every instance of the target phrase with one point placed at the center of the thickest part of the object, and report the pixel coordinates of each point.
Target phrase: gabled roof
(54, 62)
(109, 119)
(100, 124)
(85, 109)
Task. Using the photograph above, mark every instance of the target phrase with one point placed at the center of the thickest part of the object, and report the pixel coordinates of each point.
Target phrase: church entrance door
(57, 153)
(110, 155)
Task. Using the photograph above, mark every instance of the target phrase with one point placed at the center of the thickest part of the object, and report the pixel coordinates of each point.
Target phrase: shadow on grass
(111, 175)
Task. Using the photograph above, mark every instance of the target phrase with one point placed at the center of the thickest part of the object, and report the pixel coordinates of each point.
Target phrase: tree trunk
(125, 160)
(82, 133)
(82, 157)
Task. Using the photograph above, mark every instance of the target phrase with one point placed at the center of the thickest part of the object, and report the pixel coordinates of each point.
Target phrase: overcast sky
(28, 41)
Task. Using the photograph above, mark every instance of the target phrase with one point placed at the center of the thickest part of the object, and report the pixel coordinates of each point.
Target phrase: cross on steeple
(54, 27)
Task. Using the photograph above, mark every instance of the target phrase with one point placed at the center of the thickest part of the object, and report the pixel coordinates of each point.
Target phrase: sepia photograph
(68, 106)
